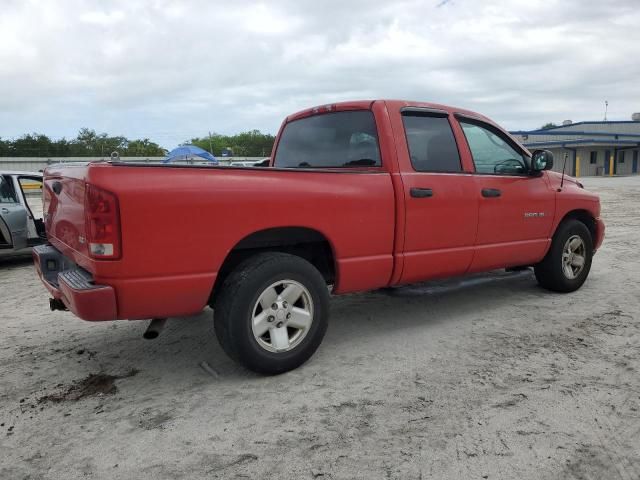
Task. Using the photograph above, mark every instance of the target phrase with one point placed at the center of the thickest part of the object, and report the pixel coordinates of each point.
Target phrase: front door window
(491, 153)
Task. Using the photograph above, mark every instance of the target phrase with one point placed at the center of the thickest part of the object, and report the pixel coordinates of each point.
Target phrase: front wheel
(568, 262)
(272, 312)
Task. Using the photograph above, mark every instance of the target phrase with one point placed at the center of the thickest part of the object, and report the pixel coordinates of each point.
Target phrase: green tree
(548, 125)
(87, 143)
(252, 143)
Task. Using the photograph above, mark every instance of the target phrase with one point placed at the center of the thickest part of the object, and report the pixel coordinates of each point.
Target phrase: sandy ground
(490, 377)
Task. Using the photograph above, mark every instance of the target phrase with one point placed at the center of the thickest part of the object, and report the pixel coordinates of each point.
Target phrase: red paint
(177, 225)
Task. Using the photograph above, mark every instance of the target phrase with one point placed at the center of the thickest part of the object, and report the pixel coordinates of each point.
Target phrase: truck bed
(177, 230)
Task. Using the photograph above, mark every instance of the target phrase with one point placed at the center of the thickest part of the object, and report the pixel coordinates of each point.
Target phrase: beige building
(592, 148)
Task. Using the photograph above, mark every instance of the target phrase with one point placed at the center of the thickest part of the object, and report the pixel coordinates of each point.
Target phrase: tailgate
(64, 197)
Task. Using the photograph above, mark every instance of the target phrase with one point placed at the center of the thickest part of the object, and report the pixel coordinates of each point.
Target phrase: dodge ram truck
(356, 196)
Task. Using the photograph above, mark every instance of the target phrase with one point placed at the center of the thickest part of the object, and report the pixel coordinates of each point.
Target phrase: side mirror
(541, 160)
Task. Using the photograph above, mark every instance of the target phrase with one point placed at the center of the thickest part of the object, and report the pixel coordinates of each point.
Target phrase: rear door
(13, 227)
(441, 207)
(516, 209)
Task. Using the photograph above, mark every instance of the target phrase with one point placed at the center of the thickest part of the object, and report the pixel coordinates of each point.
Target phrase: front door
(440, 202)
(607, 161)
(516, 209)
(30, 188)
(634, 166)
(13, 227)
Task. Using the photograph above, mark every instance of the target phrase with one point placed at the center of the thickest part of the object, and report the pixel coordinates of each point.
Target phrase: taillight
(102, 220)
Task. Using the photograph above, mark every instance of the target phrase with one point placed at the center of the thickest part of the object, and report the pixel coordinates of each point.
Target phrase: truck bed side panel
(179, 225)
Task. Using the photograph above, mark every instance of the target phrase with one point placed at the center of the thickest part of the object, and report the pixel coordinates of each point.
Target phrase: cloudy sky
(170, 70)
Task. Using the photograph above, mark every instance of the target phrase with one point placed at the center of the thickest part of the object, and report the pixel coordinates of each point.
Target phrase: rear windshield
(329, 140)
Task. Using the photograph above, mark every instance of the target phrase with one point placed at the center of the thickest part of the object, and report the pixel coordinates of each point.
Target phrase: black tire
(550, 272)
(233, 311)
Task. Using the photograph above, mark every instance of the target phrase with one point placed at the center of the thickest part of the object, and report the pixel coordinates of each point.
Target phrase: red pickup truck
(358, 196)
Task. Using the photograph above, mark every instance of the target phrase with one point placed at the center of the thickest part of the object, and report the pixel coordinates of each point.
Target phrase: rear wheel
(272, 312)
(568, 262)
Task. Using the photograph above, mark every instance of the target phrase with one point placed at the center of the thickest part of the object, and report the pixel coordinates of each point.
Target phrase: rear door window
(7, 192)
(431, 143)
(330, 140)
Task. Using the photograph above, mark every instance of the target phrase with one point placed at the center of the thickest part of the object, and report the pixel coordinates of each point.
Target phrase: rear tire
(568, 262)
(272, 312)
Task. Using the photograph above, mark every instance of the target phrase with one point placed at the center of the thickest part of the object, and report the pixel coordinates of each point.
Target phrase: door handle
(5, 210)
(421, 192)
(491, 192)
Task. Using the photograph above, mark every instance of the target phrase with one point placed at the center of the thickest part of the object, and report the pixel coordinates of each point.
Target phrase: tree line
(88, 143)
(246, 144)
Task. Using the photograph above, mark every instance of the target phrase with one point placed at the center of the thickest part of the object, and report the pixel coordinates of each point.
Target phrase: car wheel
(568, 261)
(272, 312)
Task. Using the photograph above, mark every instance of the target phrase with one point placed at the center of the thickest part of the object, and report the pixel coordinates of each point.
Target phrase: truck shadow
(428, 304)
(15, 261)
(190, 343)
(187, 354)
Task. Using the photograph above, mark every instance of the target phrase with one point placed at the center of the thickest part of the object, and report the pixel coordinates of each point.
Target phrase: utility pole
(606, 107)
(210, 147)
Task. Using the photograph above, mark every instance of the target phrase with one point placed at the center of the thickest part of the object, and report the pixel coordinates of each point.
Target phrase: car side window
(432, 146)
(7, 192)
(491, 152)
(330, 140)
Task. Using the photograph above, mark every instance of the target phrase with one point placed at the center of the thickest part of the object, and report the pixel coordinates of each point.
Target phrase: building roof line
(588, 122)
(574, 132)
(583, 142)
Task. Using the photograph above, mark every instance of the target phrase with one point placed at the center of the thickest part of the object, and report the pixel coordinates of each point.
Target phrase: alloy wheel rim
(282, 316)
(573, 257)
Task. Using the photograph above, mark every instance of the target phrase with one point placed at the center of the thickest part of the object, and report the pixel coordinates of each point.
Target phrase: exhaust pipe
(57, 304)
(155, 327)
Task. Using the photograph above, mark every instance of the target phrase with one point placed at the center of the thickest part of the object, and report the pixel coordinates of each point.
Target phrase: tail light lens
(102, 218)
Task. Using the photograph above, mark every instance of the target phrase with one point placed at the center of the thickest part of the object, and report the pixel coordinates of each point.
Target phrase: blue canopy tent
(187, 152)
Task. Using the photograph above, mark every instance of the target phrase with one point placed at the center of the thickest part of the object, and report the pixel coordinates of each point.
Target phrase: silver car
(21, 222)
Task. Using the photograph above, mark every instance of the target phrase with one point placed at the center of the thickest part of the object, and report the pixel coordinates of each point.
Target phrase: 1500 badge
(533, 214)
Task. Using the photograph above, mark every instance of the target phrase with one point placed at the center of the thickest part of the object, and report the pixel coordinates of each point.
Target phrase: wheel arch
(584, 216)
(304, 242)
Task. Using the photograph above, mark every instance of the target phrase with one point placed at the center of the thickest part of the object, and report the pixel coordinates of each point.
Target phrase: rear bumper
(600, 228)
(74, 286)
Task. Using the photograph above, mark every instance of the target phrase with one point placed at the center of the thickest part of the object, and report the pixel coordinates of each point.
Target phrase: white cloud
(171, 69)
(102, 18)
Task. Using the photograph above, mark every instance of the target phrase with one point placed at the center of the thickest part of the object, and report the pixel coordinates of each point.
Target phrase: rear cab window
(330, 140)
(432, 146)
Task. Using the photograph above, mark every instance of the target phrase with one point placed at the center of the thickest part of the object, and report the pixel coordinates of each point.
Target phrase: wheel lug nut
(279, 325)
(288, 316)
(274, 306)
(271, 318)
(285, 304)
